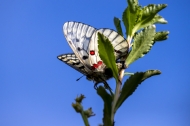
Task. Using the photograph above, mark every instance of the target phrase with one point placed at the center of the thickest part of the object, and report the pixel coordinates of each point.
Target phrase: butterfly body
(83, 41)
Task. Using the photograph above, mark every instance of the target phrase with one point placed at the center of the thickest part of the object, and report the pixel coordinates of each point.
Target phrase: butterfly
(83, 41)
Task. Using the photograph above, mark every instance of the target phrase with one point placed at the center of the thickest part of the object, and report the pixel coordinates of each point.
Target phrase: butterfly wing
(72, 60)
(83, 41)
(119, 44)
(78, 36)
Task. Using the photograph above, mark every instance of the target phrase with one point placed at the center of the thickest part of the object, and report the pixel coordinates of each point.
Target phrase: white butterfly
(83, 41)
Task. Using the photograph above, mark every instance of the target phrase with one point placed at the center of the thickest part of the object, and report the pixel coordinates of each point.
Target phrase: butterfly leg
(106, 85)
(96, 85)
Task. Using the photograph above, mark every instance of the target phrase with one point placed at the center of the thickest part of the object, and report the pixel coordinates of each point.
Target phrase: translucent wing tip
(59, 57)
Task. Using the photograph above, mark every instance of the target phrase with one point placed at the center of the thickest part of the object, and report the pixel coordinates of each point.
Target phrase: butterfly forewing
(78, 36)
(71, 60)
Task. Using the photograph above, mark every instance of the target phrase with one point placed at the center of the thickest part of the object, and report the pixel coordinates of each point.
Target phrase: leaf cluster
(140, 32)
(141, 35)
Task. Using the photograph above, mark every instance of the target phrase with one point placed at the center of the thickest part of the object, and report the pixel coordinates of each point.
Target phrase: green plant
(141, 35)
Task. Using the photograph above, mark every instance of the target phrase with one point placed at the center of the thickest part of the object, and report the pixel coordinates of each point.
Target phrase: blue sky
(36, 89)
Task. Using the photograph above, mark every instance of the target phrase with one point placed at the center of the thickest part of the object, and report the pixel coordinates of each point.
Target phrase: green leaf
(158, 19)
(149, 16)
(160, 36)
(127, 73)
(132, 83)
(106, 53)
(130, 16)
(107, 98)
(142, 44)
(117, 23)
(132, 4)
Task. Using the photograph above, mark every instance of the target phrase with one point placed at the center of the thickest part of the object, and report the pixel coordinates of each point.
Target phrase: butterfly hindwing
(118, 42)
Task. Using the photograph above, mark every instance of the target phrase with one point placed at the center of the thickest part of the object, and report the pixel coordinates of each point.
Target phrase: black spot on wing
(82, 67)
(78, 48)
(85, 57)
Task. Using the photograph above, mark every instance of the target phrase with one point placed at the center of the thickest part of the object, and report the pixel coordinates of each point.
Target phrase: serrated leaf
(142, 44)
(106, 53)
(152, 9)
(132, 83)
(150, 73)
(117, 23)
(107, 98)
(149, 16)
(130, 16)
(132, 4)
(158, 19)
(160, 36)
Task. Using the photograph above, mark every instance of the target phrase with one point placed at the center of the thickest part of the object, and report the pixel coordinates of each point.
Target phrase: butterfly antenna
(80, 78)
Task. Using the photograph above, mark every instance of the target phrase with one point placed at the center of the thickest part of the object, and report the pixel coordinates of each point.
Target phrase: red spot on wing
(92, 52)
(95, 65)
(99, 63)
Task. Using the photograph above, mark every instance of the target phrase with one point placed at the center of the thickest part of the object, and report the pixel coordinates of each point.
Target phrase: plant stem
(85, 119)
(129, 42)
(117, 93)
(118, 85)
